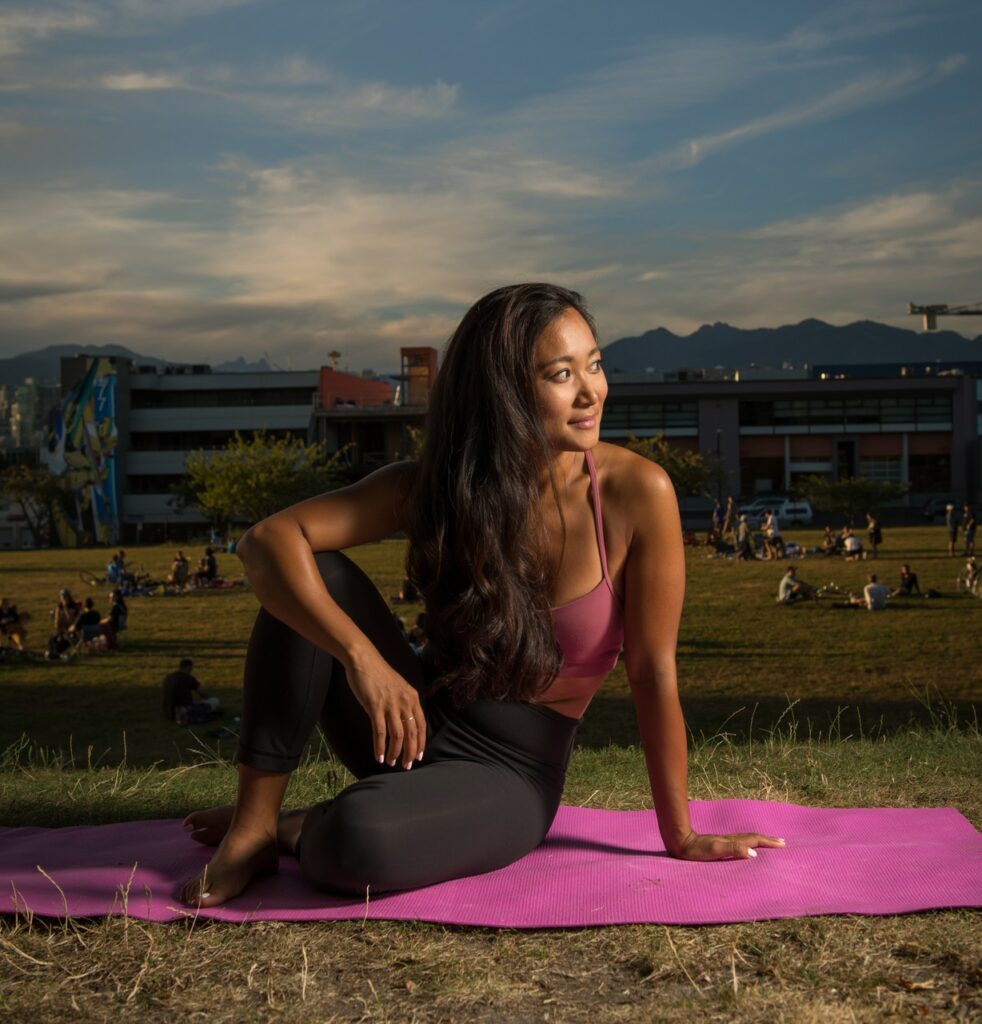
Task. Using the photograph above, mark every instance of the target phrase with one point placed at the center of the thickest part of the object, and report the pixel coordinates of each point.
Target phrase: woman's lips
(587, 424)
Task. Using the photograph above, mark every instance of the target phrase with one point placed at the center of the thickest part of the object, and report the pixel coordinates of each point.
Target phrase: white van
(788, 510)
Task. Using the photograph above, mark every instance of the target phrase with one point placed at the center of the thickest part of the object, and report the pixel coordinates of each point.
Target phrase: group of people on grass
(79, 623)
(180, 574)
(793, 589)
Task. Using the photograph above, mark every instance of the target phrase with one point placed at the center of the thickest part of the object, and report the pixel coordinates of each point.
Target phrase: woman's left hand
(735, 846)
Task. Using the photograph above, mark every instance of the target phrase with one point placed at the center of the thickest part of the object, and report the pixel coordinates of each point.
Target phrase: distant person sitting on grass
(874, 596)
(852, 547)
(830, 543)
(792, 589)
(207, 569)
(179, 570)
(908, 583)
(184, 701)
(115, 621)
(114, 571)
(87, 622)
(65, 611)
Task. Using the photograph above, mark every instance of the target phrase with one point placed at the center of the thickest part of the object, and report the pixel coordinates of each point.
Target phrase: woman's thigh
(441, 821)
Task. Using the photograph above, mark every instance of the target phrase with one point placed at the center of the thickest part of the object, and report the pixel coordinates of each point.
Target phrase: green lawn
(811, 704)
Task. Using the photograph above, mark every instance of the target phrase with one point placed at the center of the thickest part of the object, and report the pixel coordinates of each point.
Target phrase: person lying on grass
(539, 552)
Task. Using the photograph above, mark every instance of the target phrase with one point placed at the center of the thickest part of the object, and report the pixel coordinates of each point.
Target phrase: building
(377, 427)
(150, 417)
(919, 430)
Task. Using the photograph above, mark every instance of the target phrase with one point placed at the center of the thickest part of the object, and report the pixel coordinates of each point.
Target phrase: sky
(203, 179)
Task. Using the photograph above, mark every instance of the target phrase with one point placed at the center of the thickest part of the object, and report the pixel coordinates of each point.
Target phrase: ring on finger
(409, 718)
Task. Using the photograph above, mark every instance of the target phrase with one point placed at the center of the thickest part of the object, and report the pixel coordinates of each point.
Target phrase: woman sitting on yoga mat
(514, 512)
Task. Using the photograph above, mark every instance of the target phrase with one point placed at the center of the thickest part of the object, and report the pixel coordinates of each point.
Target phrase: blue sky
(199, 179)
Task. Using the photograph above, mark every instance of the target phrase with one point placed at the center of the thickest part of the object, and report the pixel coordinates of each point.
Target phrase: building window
(922, 411)
(625, 416)
(885, 468)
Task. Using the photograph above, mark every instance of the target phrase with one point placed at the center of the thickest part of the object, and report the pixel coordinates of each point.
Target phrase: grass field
(811, 704)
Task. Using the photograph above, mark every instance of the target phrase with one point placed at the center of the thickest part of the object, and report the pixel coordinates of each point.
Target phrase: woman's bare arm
(654, 591)
(278, 555)
(654, 594)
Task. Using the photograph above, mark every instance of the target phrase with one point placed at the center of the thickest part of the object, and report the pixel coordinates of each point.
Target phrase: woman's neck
(566, 467)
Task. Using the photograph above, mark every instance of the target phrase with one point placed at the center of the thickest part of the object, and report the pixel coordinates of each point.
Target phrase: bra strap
(597, 515)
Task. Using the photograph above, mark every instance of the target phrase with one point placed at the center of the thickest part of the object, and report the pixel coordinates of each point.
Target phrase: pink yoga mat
(595, 867)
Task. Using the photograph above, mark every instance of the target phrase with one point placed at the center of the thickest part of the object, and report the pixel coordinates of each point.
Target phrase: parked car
(788, 510)
(936, 508)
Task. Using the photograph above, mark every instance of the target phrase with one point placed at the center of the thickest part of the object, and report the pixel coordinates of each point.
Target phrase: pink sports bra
(590, 630)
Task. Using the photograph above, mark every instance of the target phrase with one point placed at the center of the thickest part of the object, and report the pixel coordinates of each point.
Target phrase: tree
(852, 496)
(37, 493)
(252, 478)
(690, 472)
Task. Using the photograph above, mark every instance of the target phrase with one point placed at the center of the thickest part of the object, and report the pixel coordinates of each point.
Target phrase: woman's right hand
(393, 707)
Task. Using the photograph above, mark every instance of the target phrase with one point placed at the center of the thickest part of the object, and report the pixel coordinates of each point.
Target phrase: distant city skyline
(202, 179)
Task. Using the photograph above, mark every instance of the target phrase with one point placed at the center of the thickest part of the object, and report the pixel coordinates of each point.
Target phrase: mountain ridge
(811, 341)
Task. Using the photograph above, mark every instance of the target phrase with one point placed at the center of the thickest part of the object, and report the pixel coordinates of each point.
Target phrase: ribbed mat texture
(595, 867)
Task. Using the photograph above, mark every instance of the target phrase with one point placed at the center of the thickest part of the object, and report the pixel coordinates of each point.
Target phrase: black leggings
(484, 795)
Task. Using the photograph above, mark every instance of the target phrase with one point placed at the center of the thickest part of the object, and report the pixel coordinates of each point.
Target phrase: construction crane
(931, 313)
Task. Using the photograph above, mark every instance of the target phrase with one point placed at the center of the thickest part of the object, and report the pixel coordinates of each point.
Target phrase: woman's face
(569, 382)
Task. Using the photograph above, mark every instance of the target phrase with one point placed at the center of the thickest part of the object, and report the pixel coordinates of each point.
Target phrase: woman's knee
(352, 844)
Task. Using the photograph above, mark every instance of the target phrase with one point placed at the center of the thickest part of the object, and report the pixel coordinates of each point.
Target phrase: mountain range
(811, 341)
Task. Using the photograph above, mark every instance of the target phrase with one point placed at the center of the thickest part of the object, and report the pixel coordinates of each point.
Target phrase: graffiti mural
(81, 453)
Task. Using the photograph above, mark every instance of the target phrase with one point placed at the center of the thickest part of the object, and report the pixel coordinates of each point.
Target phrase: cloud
(135, 81)
(866, 90)
(19, 291)
(864, 260)
(19, 28)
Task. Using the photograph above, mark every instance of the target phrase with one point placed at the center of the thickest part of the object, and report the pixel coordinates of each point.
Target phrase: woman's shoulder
(629, 477)
(636, 493)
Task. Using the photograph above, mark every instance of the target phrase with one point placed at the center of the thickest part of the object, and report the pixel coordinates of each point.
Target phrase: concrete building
(923, 431)
(163, 413)
(920, 431)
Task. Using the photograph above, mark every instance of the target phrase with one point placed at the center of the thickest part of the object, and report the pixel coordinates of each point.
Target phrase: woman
(513, 513)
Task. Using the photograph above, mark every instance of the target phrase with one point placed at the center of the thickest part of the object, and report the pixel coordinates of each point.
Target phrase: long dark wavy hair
(477, 542)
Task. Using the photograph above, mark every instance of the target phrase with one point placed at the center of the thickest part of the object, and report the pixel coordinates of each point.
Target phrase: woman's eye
(559, 376)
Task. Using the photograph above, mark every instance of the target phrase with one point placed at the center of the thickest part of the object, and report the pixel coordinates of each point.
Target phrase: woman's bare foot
(209, 827)
(241, 856)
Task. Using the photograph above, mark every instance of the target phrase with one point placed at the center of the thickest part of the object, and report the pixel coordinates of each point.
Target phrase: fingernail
(408, 765)
(392, 763)
(751, 853)
(780, 840)
(205, 895)
(419, 756)
(380, 759)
